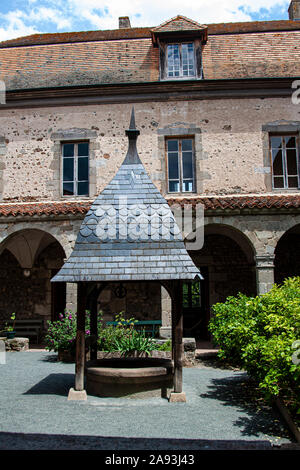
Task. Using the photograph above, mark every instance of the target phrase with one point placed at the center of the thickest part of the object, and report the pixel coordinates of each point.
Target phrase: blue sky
(23, 17)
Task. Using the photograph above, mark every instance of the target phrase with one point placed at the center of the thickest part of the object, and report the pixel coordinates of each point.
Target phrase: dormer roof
(182, 27)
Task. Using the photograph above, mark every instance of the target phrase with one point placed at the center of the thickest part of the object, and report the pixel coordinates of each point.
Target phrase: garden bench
(151, 327)
(28, 328)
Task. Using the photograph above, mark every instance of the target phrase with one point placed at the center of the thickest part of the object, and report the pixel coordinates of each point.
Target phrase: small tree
(259, 335)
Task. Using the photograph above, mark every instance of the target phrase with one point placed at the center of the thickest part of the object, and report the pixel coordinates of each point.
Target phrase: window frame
(180, 164)
(181, 75)
(75, 169)
(163, 57)
(285, 175)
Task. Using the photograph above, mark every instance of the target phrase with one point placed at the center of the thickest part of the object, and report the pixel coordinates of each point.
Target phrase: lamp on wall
(26, 272)
(120, 291)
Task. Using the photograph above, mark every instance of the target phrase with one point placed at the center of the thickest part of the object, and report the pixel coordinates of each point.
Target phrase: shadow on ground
(53, 384)
(240, 391)
(52, 358)
(9, 441)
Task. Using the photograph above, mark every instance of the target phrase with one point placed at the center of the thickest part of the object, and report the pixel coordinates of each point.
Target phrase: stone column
(264, 273)
(166, 309)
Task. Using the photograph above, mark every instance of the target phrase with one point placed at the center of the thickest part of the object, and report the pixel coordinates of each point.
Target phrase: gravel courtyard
(219, 413)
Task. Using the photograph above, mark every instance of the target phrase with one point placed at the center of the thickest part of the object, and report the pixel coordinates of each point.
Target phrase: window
(285, 161)
(180, 165)
(180, 60)
(75, 169)
(191, 294)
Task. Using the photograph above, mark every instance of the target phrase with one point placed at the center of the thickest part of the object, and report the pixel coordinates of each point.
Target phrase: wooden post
(177, 347)
(80, 337)
(94, 323)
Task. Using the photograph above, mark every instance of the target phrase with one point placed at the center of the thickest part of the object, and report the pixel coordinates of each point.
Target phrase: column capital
(265, 261)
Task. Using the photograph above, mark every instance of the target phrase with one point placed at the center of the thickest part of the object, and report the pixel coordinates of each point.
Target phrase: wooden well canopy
(129, 234)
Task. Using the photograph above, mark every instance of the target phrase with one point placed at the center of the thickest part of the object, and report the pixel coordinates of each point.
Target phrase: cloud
(67, 15)
(154, 12)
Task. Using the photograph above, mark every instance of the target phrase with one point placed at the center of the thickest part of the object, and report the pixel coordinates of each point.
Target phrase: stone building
(218, 110)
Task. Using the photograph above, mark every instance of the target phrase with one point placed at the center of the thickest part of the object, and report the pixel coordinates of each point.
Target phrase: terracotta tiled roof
(242, 202)
(178, 23)
(44, 208)
(291, 201)
(233, 50)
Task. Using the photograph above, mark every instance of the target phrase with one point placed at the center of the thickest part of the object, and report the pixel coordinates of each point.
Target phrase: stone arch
(227, 263)
(287, 255)
(29, 258)
(46, 227)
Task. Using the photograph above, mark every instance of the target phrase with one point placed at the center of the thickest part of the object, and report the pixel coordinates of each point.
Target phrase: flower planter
(10, 334)
(65, 355)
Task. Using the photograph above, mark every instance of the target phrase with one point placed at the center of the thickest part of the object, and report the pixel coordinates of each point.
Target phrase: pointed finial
(132, 120)
(132, 134)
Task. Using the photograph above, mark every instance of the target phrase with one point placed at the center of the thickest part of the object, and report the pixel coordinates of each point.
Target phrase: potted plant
(9, 330)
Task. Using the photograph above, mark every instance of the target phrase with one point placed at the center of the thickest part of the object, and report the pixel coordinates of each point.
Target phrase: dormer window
(180, 60)
(180, 41)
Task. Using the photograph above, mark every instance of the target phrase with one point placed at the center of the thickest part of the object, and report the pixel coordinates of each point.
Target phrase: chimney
(124, 22)
(294, 10)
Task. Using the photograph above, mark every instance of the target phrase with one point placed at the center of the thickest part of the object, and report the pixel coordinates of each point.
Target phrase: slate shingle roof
(129, 232)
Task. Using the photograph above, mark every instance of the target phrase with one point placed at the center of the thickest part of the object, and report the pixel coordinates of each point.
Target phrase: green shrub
(124, 337)
(258, 334)
(166, 346)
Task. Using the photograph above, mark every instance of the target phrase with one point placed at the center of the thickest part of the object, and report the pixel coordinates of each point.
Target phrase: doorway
(196, 307)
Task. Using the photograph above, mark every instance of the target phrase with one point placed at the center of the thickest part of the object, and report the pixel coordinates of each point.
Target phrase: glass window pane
(173, 60)
(277, 162)
(174, 186)
(83, 149)
(293, 182)
(276, 142)
(68, 169)
(196, 299)
(83, 189)
(173, 169)
(187, 186)
(291, 160)
(290, 142)
(187, 51)
(83, 169)
(187, 165)
(68, 150)
(68, 189)
(185, 294)
(278, 182)
(173, 145)
(187, 144)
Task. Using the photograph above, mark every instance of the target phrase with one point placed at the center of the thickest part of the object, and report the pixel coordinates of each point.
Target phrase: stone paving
(219, 413)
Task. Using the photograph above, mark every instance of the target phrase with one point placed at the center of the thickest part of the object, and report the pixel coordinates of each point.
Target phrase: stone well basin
(127, 376)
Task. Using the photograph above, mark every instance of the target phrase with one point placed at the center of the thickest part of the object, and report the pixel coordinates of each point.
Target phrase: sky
(24, 17)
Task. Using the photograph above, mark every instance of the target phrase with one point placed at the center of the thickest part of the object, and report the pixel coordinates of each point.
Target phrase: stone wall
(142, 301)
(230, 143)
